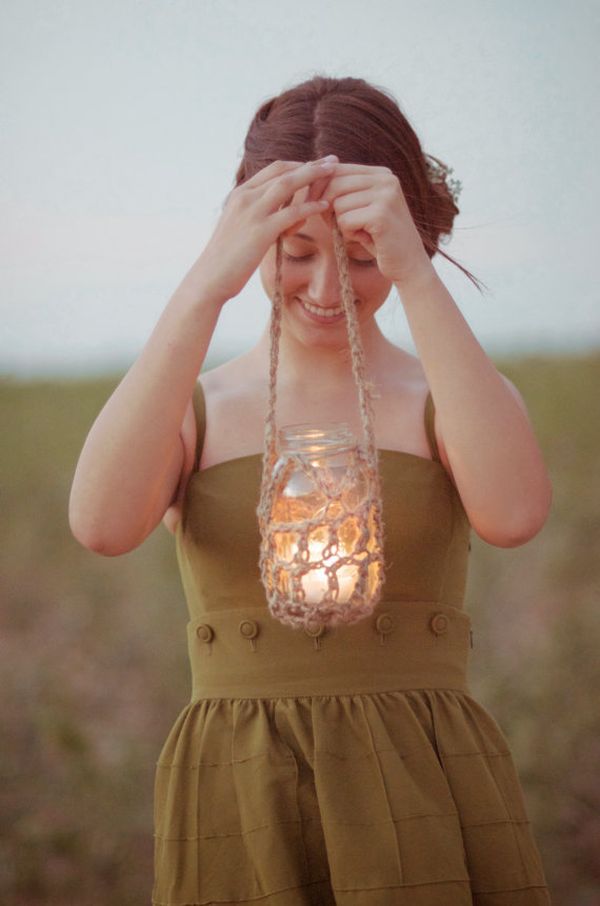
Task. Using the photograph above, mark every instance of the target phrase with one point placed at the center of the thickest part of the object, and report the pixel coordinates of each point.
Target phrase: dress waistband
(246, 653)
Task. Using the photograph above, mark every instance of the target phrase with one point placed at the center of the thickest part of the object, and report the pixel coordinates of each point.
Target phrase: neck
(319, 366)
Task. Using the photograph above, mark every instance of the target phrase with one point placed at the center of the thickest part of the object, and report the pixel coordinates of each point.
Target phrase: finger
(343, 203)
(353, 222)
(342, 185)
(293, 229)
(317, 188)
(276, 168)
(288, 218)
(271, 170)
(287, 184)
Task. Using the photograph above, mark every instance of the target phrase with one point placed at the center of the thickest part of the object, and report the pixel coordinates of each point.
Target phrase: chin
(315, 336)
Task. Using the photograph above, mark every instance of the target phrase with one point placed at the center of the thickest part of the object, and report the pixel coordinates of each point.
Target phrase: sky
(123, 124)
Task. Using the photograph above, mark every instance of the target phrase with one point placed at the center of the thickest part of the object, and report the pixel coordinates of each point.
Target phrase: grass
(94, 664)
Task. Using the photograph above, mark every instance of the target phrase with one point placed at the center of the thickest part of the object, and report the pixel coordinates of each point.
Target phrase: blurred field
(93, 658)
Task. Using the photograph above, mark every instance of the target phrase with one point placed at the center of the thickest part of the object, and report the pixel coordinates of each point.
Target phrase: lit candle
(316, 584)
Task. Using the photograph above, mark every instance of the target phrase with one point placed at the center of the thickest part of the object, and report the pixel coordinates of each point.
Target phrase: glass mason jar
(322, 527)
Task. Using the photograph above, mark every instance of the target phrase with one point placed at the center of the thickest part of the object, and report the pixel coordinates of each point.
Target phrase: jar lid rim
(317, 428)
(319, 436)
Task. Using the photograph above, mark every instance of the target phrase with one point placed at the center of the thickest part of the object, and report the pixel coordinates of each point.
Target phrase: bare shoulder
(421, 380)
(216, 386)
(235, 396)
(420, 388)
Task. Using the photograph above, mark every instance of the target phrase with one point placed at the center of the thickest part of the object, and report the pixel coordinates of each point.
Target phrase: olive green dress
(349, 766)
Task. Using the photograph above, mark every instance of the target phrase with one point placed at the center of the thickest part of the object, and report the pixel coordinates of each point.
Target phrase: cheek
(290, 278)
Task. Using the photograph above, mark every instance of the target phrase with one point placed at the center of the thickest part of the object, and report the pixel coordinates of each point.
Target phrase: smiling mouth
(323, 315)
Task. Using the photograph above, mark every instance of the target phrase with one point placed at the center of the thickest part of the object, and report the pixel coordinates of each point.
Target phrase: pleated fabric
(348, 765)
(306, 785)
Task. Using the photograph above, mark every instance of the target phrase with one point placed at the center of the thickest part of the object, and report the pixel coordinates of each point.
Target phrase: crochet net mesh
(341, 533)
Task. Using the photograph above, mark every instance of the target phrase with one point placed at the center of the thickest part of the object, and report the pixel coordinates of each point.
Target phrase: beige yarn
(342, 515)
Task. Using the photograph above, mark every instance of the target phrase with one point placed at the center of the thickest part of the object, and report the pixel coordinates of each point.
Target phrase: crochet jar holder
(320, 512)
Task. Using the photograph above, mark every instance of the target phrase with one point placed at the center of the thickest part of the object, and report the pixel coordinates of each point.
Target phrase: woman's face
(310, 278)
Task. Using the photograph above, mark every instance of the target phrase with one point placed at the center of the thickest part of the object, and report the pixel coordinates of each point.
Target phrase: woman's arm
(496, 462)
(129, 467)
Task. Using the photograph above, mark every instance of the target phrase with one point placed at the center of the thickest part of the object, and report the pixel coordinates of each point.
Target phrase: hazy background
(122, 127)
(123, 124)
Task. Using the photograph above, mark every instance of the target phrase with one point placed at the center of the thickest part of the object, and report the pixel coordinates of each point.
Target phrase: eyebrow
(311, 239)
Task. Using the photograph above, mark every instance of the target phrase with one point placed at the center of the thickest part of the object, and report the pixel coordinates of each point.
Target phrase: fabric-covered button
(439, 623)
(314, 629)
(205, 632)
(384, 623)
(249, 629)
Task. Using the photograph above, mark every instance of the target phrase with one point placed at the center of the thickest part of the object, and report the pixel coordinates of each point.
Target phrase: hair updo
(361, 124)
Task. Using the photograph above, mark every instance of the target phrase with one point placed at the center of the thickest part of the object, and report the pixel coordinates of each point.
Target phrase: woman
(351, 767)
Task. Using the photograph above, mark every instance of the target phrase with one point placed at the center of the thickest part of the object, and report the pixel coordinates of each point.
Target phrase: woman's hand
(254, 216)
(371, 209)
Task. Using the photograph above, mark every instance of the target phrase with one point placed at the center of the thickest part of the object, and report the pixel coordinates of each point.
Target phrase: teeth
(323, 312)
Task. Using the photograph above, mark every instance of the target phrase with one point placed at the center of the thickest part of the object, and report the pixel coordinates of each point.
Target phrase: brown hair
(360, 123)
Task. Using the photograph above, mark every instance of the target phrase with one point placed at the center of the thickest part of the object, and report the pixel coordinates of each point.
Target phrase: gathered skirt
(346, 765)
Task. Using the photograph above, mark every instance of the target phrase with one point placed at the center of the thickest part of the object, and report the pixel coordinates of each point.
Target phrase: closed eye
(362, 262)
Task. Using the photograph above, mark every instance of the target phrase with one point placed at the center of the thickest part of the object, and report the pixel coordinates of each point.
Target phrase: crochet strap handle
(365, 387)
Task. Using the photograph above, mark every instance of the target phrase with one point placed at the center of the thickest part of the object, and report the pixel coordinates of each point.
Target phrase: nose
(324, 281)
